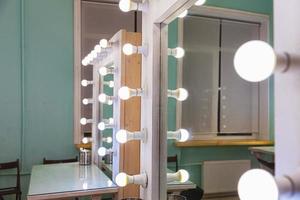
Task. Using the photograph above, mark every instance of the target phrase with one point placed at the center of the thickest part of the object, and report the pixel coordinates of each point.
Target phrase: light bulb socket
(143, 50)
(171, 177)
(137, 135)
(289, 185)
(176, 135)
(136, 92)
(286, 61)
(139, 179)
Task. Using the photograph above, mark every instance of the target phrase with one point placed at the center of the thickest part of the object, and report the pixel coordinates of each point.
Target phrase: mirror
(205, 104)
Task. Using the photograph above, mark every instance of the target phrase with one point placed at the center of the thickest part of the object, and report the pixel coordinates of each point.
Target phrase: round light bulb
(124, 5)
(103, 43)
(257, 184)
(94, 54)
(102, 71)
(85, 101)
(111, 120)
(183, 14)
(122, 179)
(101, 126)
(102, 151)
(109, 140)
(184, 176)
(200, 2)
(121, 136)
(111, 84)
(184, 135)
(84, 62)
(85, 140)
(124, 93)
(97, 48)
(90, 58)
(255, 61)
(84, 83)
(83, 121)
(102, 98)
(128, 49)
(182, 94)
(179, 52)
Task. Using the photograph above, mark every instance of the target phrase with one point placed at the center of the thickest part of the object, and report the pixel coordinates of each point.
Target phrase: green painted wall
(191, 158)
(36, 82)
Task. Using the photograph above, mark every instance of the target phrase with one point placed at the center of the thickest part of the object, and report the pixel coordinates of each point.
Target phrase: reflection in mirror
(209, 104)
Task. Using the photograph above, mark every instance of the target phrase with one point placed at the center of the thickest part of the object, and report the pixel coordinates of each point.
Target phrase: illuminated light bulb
(124, 136)
(105, 124)
(103, 43)
(107, 139)
(102, 151)
(103, 98)
(85, 83)
(181, 176)
(129, 49)
(103, 71)
(85, 186)
(177, 52)
(94, 54)
(126, 92)
(84, 121)
(200, 2)
(86, 140)
(181, 135)
(183, 14)
(257, 184)
(180, 94)
(123, 179)
(110, 84)
(97, 48)
(128, 5)
(90, 58)
(86, 101)
(84, 62)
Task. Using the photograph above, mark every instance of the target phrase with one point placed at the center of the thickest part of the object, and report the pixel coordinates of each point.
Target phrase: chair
(45, 161)
(11, 190)
(193, 194)
(173, 159)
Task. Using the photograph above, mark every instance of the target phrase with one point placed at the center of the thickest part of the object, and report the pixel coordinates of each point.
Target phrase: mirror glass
(207, 103)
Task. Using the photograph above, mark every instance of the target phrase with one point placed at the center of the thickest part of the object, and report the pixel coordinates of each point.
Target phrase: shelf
(208, 143)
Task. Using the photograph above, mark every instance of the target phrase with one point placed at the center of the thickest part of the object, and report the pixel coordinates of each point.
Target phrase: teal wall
(191, 158)
(36, 82)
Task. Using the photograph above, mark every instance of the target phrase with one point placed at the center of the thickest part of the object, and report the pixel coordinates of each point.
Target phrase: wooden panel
(203, 143)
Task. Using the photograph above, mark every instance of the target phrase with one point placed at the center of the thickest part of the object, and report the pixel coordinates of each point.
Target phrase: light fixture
(103, 71)
(107, 139)
(110, 84)
(123, 179)
(128, 5)
(105, 124)
(103, 43)
(84, 121)
(86, 101)
(256, 60)
(86, 140)
(129, 49)
(85, 83)
(102, 151)
(124, 136)
(180, 94)
(97, 48)
(94, 54)
(183, 14)
(103, 98)
(126, 92)
(181, 135)
(177, 52)
(200, 2)
(181, 175)
(260, 184)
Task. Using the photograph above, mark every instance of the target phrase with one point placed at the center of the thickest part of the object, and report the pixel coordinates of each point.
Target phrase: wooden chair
(45, 161)
(11, 190)
(173, 159)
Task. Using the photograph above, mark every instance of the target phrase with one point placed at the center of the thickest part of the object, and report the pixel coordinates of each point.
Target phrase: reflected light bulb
(111, 84)
(108, 140)
(255, 61)
(184, 176)
(84, 62)
(122, 179)
(179, 52)
(128, 49)
(200, 2)
(85, 186)
(127, 5)
(257, 184)
(183, 14)
(97, 48)
(85, 101)
(184, 135)
(84, 83)
(124, 93)
(85, 140)
(102, 98)
(182, 94)
(83, 121)
(101, 126)
(94, 54)
(102, 71)
(121, 136)
(103, 43)
(102, 151)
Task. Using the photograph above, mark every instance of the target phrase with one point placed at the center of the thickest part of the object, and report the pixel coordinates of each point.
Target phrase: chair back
(12, 165)
(45, 161)
(173, 159)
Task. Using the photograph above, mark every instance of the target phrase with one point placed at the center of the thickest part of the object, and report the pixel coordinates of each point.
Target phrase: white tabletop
(263, 149)
(68, 178)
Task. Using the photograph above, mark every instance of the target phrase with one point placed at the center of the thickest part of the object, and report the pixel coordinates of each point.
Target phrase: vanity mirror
(205, 105)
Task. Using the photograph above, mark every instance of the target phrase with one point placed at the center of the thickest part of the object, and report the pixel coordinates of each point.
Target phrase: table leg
(96, 197)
